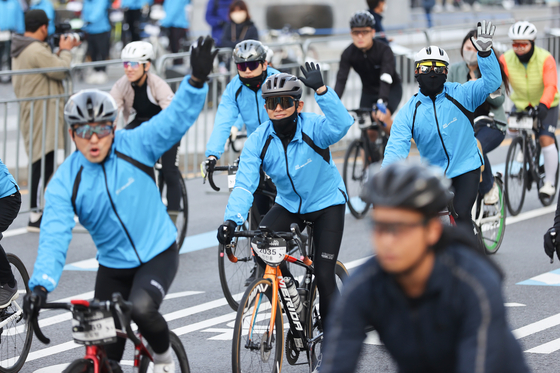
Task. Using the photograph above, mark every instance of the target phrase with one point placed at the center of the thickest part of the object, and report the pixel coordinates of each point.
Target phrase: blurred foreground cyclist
(108, 183)
(434, 300)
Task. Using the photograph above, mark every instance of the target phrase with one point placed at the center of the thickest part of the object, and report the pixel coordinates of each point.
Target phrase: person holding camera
(30, 51)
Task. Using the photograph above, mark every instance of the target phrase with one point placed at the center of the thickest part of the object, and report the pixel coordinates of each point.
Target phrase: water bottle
(294, 295)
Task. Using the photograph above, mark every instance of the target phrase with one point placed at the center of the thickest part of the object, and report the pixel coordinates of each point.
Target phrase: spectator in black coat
(376, 7)
(240, 27)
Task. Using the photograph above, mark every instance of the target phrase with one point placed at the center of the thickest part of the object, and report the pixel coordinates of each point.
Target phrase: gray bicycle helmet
(362, 18)
(282, 85)
(90, 106)
(408, 186)
(249, 50)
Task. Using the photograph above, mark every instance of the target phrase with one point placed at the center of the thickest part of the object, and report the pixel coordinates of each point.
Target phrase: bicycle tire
(243, 357)
(183, 217)
(314, 323)
(515, 176)
(180, 356)
(490, 242)
(547, 201)
(79, 366)
(15, 341)
(353, 171)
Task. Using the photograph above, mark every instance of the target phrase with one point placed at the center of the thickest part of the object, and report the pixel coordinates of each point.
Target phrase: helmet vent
(100, 112)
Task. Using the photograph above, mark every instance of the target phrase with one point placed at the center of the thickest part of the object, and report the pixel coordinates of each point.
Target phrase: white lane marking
(546, 348)
(224, 334)
(14, 232)
(549, 278)
(205, 324)
(53, 369)
(514, 305)
(538, 326)
(530, 214)
(182, 294)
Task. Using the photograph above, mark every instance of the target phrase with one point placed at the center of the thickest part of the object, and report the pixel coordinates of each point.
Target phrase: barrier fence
(288, 57)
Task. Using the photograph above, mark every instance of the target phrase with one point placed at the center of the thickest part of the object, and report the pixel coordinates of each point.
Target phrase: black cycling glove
(33, 302)
(202, 58)
(542, 112)
(225, 232)
(209, 165)
(313, 78)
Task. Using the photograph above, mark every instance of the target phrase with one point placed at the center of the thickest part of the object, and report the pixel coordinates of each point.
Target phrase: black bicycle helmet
(90, 106)
(282, 85)
(249, 50)
(362, 18)
(408, 186)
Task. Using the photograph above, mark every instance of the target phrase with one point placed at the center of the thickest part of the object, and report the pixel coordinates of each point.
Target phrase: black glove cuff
(320, 94)
(196, 84)
(485, 54)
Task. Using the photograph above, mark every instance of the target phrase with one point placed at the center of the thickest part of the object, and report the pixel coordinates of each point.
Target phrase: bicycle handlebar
(210, 175)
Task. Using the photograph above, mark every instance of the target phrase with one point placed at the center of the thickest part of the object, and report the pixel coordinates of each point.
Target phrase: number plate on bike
(523, 123)
(272, 252)
(94, 328)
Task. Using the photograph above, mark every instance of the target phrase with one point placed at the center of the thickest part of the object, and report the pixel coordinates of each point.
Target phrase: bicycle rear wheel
(183, 216)
(492, 231)
(314, 323)
(353, 174)
(79, 366)
(515, 176)
(15, 334)
(179, 357)
(546, 200)
(250, 351)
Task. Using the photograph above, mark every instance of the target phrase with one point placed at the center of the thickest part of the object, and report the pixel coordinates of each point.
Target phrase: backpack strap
(325, 153)
(147, 169)
(238, 92)
(77, 181)
(418, 103)
(468, 114)
(265, 147)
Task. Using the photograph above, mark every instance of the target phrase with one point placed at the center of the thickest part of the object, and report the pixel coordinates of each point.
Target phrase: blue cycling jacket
(443, 129)
(305, 175)
(237, 100)
(117, 202)
(8, 185)
(135, 4)
(95, 14)
(175, 14)
(48, 8)
(11, 17)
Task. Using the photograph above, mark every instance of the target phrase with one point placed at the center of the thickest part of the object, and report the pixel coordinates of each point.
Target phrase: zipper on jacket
(118, 217)
(440, 137)
(258, 112)
(291, 181)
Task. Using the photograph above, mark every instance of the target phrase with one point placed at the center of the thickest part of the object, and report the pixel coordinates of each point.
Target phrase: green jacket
(458, 73)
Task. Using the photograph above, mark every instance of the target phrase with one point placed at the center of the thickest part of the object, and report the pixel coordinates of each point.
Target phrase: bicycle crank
(292, 352)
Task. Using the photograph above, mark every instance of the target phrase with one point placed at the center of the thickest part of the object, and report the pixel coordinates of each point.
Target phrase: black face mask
(254, 83)
(285, 128)
(431, 84)
(527, 56)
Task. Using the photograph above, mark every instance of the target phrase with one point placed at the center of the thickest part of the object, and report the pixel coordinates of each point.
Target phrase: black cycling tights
(171, 175)
(145, 287)
(9, 208)
(465, 187)
(328, 225)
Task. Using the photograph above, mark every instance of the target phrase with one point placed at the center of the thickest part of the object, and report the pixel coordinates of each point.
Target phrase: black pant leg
(9, 208)
(466, 189)
(171, 175)
(36, 176)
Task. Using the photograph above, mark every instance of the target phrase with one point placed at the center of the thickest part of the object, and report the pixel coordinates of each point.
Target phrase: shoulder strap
(238, 92)
(77, 181)
(468, 114)
(148, 170)
(325, 153)
(265, 147)
(418, 103)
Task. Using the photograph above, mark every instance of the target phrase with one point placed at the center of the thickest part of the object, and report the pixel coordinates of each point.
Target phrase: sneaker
(476, 6)
(449, 7)
(492, 196)
(8, 294)
(437, 8)
(547, 189)
(252, 276)
(35, 226)
(164, 368)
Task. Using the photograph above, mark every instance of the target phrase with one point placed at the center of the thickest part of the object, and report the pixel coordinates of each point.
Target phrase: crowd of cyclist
(108, 184)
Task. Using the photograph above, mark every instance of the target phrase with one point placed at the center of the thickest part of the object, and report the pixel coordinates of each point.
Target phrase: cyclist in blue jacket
(440, 119)
(293, 149)
(48, 8)
(108, 183)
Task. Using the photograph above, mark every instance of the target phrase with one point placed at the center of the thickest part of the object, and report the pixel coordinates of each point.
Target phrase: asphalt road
(201, 316)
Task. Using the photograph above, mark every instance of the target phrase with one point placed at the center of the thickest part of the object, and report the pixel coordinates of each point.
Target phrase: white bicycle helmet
(431, 53)
(522, 30)
(138, 51)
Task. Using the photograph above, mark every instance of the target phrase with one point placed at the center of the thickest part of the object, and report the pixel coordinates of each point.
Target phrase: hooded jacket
(8, 185)
(29, 53)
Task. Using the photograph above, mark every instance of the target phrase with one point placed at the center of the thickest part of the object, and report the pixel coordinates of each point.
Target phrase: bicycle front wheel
(79, 366)
(515, 176)
(257, 348)
(15, 333)
(353, 174)
(545, 199)
(179, 356)
(493, 224)
(183, 213)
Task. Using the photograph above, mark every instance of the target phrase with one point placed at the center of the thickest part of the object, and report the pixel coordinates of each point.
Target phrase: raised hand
(312, 76)
(202, 58)
(484, 34)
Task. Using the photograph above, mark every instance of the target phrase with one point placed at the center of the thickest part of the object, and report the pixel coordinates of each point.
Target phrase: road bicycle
(360, 154)
(524, 163)
(258, 336)
(93, 326)
(15, 335)
(234, 275)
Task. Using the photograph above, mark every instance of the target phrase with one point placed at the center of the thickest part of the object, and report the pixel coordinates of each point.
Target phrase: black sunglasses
(284, 102)
(422, 69)
(252, 65)
(86, 131)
